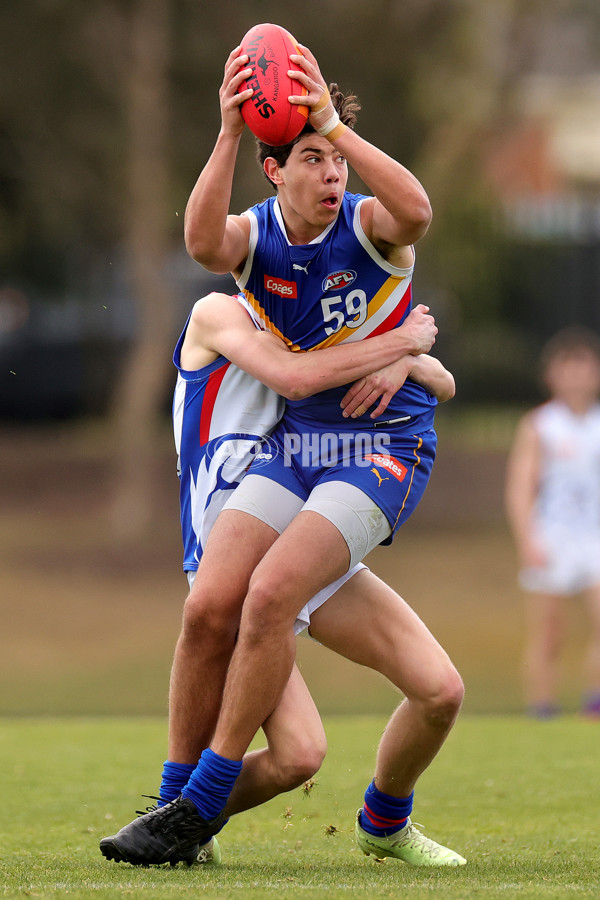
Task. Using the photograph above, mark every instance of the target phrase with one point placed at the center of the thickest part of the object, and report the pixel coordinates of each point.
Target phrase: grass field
(517, 798)
(86, 643)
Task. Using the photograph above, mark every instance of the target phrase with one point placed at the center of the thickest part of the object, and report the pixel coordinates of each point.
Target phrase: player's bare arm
(521, 488)
(212, 237)
(434, 377)
(380, 386)
(399, 213)
(220, 325)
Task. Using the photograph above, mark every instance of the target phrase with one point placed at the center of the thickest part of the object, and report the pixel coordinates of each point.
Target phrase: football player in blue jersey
(300, 524)
(295, 738)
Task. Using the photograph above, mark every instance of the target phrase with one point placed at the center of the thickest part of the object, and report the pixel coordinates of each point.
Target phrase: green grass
(518, 798)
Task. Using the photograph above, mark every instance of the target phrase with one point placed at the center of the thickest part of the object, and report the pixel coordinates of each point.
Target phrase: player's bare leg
(367, 622)
(210, 622)
(296, 748)
(545, 634)
(265, 650)
(176, 831)
(258, 673)
(591, 703)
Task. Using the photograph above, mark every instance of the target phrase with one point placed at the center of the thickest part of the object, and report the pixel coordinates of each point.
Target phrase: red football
(268, 113)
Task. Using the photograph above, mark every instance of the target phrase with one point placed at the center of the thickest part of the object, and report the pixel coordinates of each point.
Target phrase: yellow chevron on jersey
(263, 321)
(382, 304)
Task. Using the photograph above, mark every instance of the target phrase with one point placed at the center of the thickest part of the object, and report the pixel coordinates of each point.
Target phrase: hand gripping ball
(268, 113)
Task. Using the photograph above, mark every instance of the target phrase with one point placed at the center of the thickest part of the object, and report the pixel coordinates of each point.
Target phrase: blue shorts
(392, 469)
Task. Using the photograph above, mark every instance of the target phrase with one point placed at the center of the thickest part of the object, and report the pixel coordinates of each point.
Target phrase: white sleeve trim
(253, 241)
(372, 250)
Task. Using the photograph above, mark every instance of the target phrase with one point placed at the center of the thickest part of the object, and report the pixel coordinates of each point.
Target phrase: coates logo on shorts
(391, 465)
(338, 280)
(281, 286)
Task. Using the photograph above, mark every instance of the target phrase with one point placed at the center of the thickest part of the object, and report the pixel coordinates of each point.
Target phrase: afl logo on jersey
(338, 280)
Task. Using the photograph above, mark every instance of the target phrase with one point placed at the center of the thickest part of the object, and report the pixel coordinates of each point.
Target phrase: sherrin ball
(268, 113)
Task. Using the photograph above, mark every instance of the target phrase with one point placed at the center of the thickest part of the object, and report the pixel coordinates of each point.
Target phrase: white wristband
(330, 124)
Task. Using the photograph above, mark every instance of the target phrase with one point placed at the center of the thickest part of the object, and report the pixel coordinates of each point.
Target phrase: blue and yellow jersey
(336, 289)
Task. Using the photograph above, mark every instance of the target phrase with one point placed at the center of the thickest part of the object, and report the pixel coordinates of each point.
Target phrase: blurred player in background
(553, 506)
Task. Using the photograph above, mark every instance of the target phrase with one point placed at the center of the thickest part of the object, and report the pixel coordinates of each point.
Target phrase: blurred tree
(140, 392)
(108, 112)
(88, 166)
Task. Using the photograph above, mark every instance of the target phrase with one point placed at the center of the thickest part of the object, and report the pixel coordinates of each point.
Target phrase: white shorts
(303, 619)
(573, 566)
(358, 519)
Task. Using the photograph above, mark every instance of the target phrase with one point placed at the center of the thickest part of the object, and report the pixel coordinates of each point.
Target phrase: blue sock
(383, 814)
(212, 782)
(175, 776)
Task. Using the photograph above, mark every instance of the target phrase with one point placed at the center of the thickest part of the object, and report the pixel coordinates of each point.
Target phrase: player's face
(575, 378)
(313, 181)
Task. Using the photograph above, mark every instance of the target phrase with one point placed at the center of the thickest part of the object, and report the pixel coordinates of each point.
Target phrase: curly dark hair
(346, 106)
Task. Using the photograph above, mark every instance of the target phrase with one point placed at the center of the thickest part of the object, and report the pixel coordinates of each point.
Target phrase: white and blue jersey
(566, 515)
(338, 289)
(220, 416)
(568, 499)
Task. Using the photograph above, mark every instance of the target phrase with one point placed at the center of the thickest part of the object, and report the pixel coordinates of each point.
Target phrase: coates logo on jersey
(338, 280)
(281, 286)
(391, 465)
